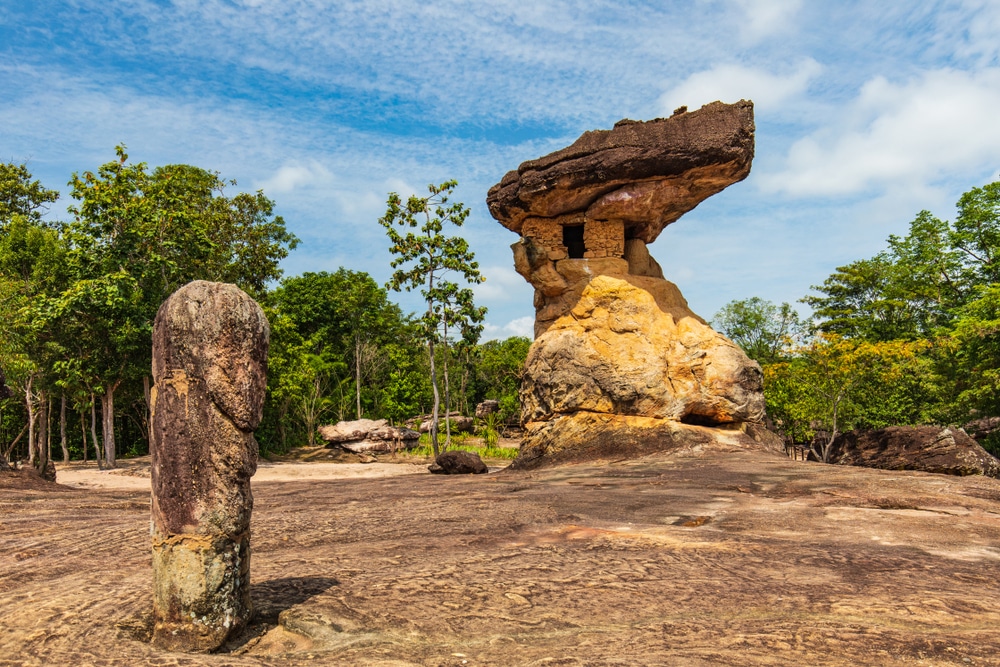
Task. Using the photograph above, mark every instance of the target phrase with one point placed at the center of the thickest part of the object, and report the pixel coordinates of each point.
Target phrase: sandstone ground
(698, 558)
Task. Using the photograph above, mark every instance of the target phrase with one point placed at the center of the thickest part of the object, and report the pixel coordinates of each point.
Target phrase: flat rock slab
(718, 558)
(647, 174)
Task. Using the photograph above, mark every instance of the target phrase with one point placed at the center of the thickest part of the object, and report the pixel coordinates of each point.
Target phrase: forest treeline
(78, 299)
(909, 336)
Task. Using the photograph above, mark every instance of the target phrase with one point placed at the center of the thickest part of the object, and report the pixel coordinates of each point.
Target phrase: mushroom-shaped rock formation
(616, 345)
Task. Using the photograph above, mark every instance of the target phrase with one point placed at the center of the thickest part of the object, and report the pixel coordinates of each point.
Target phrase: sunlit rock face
(613, 337)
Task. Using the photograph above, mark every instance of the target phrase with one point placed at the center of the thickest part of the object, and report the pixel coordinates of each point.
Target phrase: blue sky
(866, 112)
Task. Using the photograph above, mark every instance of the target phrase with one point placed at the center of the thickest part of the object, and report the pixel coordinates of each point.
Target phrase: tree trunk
(93, 431)
(48, 430)
(465, 385)
(10, 448)
(62, 429)
(108, 424)
(83, 434)
(30, 403)
(437, 401)
(282, 430)
(357, 372)
(146, 393)
(447, 392)
(41, 444)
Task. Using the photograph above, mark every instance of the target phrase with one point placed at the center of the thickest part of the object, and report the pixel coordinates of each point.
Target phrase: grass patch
(506, 453)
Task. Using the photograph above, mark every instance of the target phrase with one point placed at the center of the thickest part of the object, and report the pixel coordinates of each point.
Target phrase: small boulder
(368, 435)
(457, 462)
(459, 424)
(486, 408)
(348, 431)
(928, 448)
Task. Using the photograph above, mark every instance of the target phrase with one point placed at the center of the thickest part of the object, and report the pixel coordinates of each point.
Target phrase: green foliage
(423, 256)
(499, 369)
(20, 196)
(834, 384)
(976, 234)
(936, 290)
(339, 350)
(977, 336)
(82, 295)
(490, 427)
(426, 450)
(758, 326)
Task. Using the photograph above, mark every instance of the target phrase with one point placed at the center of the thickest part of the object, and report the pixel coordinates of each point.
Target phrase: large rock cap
(645, 174)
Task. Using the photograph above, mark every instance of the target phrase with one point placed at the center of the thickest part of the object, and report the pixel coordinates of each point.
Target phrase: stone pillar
(210, 345)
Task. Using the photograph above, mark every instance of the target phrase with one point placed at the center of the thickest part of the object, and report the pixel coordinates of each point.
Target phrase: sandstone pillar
(210, 345)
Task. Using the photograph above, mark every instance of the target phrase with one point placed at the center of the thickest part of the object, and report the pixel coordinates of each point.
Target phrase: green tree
(976, 234)
(32, 266)
(347, 316)
(499, 372)
(20, 196)
(758, 326)
(136, 237)
(423, 258)
(862, 300)
(977, 336)
(833, 384)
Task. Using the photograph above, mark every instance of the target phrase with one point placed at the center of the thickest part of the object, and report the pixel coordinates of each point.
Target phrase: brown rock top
(645, 174)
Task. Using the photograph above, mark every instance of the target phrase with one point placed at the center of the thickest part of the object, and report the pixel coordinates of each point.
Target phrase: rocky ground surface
(697, 558)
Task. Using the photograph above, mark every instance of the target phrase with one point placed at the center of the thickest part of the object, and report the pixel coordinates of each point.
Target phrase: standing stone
(210, 345)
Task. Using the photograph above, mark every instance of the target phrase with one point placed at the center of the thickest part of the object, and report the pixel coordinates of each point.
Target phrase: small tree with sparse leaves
(424, 257)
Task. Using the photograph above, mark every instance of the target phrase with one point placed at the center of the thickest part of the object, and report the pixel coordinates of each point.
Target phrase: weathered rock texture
(487, 408)
(210, 345)
(369, 435)
(640, 176)
(928, 448)
(458, 462)
(613, 337)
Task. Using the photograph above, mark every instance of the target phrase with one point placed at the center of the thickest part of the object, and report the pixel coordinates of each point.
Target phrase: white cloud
(899, 135)
(502, 284)
(765, 18)
(522, 326)
(291, 177)
(732, 82)
(980, 24)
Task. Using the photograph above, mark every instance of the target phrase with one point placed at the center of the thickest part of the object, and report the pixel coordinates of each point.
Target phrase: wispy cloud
(733, 82)
(898, 134)
(522, 326)
(766, 18)
(866, 112)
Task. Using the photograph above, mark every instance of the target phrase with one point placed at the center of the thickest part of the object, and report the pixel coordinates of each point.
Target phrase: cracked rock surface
(712, 555)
